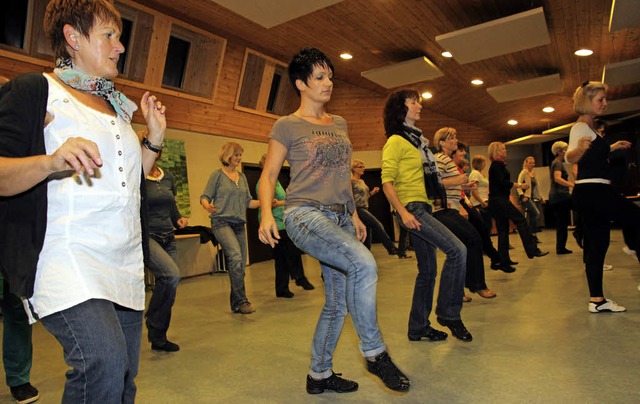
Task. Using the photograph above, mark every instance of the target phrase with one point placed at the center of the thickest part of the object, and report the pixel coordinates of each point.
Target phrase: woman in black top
(502, 209)
(560, 196)
(593, 194)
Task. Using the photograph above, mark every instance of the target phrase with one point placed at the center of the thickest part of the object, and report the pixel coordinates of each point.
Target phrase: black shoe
(389, 373)
(495, 265)
(285, 293)
(393, 251)
(538, 253)
(458, 329)
(512, 262)
(431, 334)
(25, 393)
(166, 346)
(304, 282)
(564, 251)
(333, 382)
(404, 255)
(507, 268)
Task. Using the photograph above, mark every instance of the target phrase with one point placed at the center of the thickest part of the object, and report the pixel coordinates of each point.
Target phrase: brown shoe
(245, 308)
(486, 293)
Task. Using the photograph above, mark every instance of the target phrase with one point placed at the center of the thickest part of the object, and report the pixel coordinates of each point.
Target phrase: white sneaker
(609, 306)
(607, 267)
(628, 251)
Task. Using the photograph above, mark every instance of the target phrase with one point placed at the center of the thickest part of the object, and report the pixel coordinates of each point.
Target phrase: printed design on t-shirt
(359, 193)
(329, 153)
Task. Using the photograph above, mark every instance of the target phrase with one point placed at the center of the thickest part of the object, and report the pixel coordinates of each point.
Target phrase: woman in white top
(593, 194)
(480, 195)
(84, 235)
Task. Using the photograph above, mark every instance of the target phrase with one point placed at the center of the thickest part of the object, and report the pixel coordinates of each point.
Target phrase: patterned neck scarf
(97, 86)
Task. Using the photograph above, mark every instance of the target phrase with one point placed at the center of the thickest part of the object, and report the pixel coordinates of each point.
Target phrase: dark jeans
(599, 205)
(562, 211)
(432, 235)
(465, 232)
(288, 262)
(375, 228)
(162, 264)
(101, 343)
(479, 223)
(17, 350)
(503, 210)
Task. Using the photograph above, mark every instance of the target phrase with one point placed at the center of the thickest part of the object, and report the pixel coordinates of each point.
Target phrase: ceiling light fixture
(512, 122)
(548, 109)
(447, 54)
(346, 56)
(426, 95)
(583, 52)
(477, 82)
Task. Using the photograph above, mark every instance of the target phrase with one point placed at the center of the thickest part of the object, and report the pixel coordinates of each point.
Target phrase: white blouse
(93, 242)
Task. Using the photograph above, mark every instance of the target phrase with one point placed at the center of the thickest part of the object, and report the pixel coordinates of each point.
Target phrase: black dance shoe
(431, 334)
(388, 372)
(333, 382)
(304, 283)
(166, 346)
(457, 328)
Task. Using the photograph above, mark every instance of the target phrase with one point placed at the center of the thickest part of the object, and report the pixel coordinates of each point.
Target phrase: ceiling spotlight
(346, 56)
(512, 122)
(426, 95)
(447, 54)
(477, 82)
(583, 52)
(548, 109)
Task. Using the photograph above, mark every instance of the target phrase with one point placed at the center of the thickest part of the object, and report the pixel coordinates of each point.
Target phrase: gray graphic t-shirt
(320, 161)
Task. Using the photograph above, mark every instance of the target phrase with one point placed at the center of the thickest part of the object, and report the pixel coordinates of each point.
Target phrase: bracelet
(154, 148)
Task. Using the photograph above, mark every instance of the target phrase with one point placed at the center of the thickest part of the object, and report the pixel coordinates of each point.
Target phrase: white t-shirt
(483, 185)
(93, 242)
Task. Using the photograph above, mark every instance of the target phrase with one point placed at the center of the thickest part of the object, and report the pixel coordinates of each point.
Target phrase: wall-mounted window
(176, 63)
(13, 23)
(264, 87)
(137, 28)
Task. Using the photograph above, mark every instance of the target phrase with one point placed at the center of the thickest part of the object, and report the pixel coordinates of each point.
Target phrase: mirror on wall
(264, 86)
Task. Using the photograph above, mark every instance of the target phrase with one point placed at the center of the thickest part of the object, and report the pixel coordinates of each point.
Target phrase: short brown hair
(228, 150)
(584, 95)
(81, 15)
(477, 161)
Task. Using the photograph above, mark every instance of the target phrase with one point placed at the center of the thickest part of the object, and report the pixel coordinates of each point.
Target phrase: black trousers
(562, 211)
(479, 223)
(503, 210)
(288, 262)
(599, 205)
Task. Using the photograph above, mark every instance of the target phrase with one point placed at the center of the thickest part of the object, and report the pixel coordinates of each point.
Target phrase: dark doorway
(378, 204)
(257, 251)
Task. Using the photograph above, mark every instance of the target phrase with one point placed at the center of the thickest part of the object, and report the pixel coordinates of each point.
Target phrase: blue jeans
(533, 214)
(350, 279)
(432, 235)
(233, 240)
(162, 263)
(375, 228)
(101, 343)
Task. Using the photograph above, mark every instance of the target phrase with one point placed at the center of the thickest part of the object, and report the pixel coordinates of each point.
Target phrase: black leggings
(599, 205)
(502, 210)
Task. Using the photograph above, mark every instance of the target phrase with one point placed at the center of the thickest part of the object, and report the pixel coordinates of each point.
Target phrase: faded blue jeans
(162, 264)
(101, 343)
(432, 235)
(350, 278)
(233, 240)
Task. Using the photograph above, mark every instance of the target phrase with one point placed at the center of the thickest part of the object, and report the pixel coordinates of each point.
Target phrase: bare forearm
(21, 174)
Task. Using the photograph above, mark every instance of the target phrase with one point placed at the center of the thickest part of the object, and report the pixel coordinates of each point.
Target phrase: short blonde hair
(228, 150)
(584, 94)
(477, 161)
(558, 146)
(356, 162)
(493, 149)
(442, 134)
(524, 162)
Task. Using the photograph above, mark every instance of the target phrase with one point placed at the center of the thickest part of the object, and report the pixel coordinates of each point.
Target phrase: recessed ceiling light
(512, 122)
(477, 82)
(548, 109)
(447, 54)
(426, 95)
(346, 56)
(583, 52)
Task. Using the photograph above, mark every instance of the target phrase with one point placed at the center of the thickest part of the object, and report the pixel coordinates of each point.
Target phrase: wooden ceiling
(384, 32)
